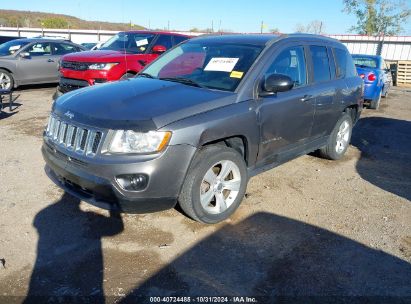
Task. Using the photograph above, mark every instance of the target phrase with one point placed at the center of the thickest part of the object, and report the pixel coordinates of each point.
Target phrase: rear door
(286, 117)
(40, 66)
(326, 90)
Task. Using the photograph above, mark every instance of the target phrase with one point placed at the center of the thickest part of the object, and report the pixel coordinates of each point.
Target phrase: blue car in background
(377, 78)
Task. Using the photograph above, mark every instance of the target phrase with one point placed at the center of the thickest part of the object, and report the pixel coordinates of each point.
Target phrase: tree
(275, 30)
(55, 23)
(378, 17)
(314, 27)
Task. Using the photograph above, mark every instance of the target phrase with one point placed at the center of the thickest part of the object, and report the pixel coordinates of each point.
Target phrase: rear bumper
(371, 91)
(96, 183)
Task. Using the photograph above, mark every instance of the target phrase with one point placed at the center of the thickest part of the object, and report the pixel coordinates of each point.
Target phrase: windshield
(10, 47)
(133, 43)
(366, 62)
(205, 64)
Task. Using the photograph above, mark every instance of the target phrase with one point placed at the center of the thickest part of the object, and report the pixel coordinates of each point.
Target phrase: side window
(351, 70)
(321, 63)
(341, 59)
(345, 64)
(178, 39)
(291, 62)
(63, 48)
(164, 40)
(39, 49)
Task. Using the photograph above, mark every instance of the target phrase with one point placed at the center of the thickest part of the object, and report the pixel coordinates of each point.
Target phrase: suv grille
(75, 138)
(77, 66)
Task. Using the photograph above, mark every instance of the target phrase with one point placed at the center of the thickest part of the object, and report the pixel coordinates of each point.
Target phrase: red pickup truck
(121, 57)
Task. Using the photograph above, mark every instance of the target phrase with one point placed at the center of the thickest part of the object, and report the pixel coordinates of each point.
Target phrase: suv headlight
(127, 141)
(102, 66)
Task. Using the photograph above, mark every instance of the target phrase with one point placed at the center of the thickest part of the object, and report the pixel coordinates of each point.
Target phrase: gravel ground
(309, 227)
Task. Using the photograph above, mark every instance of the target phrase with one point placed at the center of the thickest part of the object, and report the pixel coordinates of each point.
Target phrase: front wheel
(215, 184)
(339, 139)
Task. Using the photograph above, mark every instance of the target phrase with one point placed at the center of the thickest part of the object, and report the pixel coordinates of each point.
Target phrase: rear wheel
(215, 184)
(339, 139)
(6, 80)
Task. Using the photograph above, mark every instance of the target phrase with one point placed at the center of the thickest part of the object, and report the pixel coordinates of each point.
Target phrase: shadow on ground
(269, 255)
(385, 146)
(69, 255)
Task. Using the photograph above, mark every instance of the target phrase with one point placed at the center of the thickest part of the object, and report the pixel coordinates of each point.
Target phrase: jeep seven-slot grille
(75, 138)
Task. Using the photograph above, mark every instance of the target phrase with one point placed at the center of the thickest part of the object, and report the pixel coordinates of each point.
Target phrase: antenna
(124, 40)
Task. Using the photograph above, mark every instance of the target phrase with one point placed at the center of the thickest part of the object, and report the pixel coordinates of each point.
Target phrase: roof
(42, 40)
(252, 39)
(155, 32)
(367, 56)
(260, 39)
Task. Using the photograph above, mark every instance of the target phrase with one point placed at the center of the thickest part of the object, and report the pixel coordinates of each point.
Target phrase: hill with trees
(13, 18)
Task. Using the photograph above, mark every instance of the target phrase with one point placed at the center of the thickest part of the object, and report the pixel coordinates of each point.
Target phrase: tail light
(372, 77)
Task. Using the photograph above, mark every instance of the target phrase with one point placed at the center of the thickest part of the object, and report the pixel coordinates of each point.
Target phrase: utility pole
(262, 25)
(212, 26)
(219, 26)
(168, 25)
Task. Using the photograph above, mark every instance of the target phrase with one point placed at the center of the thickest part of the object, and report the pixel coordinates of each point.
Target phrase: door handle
(50, 60)
(306, 98)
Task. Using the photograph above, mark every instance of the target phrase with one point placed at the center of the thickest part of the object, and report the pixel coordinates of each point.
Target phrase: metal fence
(394, 48)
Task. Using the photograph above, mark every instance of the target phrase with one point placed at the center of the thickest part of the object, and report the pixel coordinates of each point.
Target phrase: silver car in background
(32, 60)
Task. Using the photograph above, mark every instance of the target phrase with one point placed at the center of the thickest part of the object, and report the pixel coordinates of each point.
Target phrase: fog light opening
(132, 182)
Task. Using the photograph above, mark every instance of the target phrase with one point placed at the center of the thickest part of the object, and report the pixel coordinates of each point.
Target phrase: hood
(96, 56)
(140, 104)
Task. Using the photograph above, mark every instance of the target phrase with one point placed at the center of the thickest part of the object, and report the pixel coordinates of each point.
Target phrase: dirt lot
(310, 227)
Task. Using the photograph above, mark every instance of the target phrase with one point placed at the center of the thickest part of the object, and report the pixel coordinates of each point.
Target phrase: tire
(6, 80)
(375, 104)
(204, 197)
(339, 139)
(127, 76)
(386, 93)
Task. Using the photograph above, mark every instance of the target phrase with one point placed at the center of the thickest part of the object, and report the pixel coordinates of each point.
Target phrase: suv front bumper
(95, 181)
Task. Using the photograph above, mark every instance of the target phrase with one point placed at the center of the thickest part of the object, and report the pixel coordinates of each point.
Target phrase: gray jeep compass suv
(202, 119)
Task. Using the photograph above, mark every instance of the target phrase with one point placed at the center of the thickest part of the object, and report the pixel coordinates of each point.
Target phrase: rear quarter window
(345, 64)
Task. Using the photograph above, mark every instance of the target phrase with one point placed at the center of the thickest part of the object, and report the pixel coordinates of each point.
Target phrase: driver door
(286, 118)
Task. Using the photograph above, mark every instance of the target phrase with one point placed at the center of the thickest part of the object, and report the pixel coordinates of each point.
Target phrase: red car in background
(121, 57)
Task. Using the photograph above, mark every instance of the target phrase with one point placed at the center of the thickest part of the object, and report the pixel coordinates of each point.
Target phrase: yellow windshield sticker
(236, 74)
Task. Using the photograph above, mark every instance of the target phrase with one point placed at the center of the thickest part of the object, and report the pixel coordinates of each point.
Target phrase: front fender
(234, 120)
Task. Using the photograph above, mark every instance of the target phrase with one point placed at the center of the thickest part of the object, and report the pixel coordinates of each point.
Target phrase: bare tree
(314, 27)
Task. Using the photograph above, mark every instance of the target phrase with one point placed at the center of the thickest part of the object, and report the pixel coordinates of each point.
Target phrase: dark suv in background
(202, 119)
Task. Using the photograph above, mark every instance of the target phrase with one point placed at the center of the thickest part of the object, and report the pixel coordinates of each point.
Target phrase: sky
(234, 15)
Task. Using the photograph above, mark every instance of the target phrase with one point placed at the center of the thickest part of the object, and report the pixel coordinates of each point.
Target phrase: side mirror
(25, 55)
(275, 83)
(159, 49)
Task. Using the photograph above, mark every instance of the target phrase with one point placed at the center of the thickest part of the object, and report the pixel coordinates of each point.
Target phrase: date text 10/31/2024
(203, 300)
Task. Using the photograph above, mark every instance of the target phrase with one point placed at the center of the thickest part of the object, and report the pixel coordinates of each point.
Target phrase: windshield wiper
(184, 81)
(146, 75)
